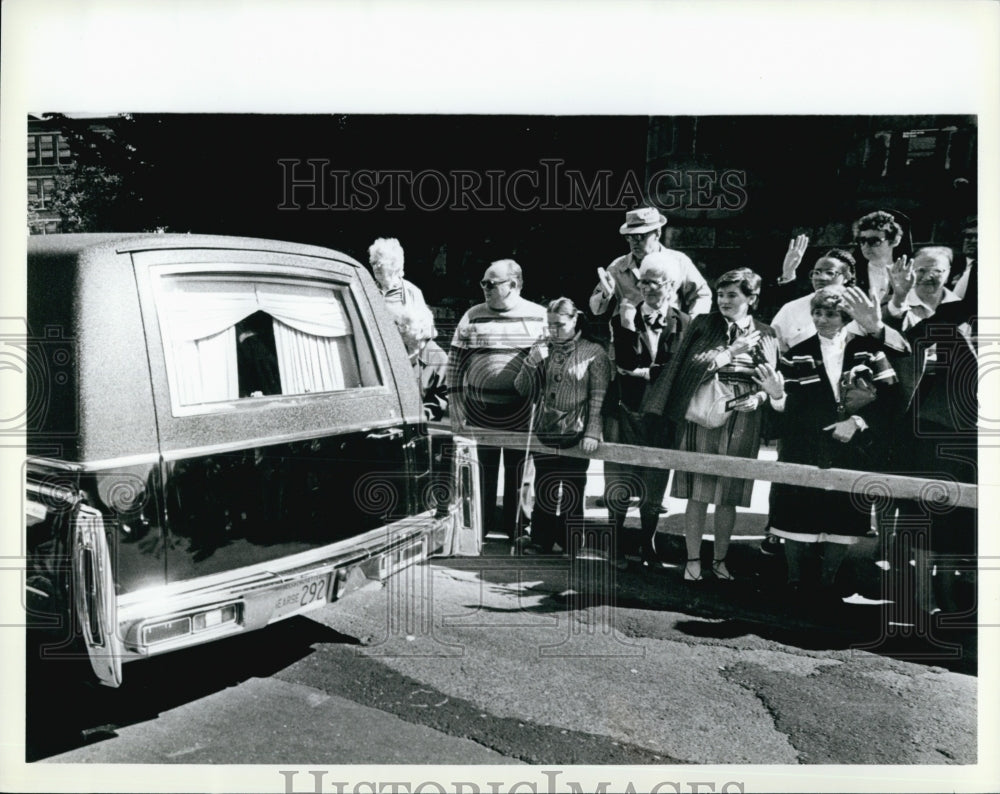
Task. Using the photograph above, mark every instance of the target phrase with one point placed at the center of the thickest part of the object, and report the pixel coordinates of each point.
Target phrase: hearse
(221, 433)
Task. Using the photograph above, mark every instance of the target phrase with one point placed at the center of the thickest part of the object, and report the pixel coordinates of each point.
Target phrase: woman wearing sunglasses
(878, 234)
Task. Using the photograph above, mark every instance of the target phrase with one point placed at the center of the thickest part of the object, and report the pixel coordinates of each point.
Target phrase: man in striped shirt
(490, 342)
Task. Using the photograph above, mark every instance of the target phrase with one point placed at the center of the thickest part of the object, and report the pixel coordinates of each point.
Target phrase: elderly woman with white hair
(386, 258)
(644, 344)
(430, 362)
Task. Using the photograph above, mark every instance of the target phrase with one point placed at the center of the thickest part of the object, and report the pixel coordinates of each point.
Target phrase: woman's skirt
(739, 437)
(811, 515)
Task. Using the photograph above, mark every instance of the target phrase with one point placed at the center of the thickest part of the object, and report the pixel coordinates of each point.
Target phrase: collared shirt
(653, 319)
(832, 350)
(694, 294)
(914, 310)
(793, 322)
(725, 358)
(879, 281)
(406, 293)
(962, 284)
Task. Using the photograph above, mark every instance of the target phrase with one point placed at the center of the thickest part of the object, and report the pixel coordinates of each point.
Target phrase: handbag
(857, 390)
(708, 405)
(561, 429)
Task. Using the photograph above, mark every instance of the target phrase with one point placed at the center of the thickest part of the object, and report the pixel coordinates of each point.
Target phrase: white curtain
(311, 332)
(206, 368)
(309, 363)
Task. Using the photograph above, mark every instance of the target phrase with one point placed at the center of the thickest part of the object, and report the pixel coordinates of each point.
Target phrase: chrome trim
(360, 547)
(135, 639)
(149, 458)
(152, 243)
(52, 492)
(275, 402)
(90, 555)
(255, 588)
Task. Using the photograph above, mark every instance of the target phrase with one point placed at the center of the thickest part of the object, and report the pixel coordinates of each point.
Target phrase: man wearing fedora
(617, 291)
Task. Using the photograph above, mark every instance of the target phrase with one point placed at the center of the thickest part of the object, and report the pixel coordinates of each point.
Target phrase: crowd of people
(874, 370)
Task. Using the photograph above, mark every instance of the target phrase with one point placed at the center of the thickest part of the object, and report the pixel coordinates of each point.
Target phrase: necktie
(654, 321)
(734, 332)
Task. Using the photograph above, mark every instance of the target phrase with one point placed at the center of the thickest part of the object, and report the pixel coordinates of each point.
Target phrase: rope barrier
(942, 493)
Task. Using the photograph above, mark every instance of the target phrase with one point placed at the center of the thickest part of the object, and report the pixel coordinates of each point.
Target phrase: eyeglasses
(869, 240)
(487, 284)
(637, 238)
(648, 282)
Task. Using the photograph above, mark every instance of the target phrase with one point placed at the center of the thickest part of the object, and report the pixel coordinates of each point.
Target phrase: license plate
(302, 596)
(400, 558)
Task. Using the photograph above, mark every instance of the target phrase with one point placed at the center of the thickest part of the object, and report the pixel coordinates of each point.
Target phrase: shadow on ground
(66, 710)
(757, 604)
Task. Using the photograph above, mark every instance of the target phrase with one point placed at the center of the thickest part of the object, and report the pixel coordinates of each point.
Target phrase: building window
(41, 191)
(48, 149)
(62, 150)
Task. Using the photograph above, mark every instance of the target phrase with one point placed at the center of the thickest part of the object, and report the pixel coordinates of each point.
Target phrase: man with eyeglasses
(644, 347)
(491, 341)
(938, 430)
(617, 292)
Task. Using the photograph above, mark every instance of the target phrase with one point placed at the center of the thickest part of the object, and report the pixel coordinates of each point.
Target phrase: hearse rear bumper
(156, 620)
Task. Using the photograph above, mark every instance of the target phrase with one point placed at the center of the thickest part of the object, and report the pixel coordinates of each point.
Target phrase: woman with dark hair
(793, 321)
(878, 234)
(841, 404)
(568, 375)
(728, 344)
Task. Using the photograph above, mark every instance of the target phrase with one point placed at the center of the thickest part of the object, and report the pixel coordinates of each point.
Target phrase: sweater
(573, 372)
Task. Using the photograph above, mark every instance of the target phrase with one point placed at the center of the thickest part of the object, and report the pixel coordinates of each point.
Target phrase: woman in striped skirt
(741, 351)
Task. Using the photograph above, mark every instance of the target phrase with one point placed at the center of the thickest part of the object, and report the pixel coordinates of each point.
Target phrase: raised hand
(793, 256)
(770, 380)
(863, 309)
(538, 353)
(903, 278)
(769, 349)
(606, 281)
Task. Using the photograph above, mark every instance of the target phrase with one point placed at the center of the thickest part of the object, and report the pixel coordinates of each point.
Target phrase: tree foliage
(106, 187)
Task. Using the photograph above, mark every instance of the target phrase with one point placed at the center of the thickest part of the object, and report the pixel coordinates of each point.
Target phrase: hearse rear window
(229, 338)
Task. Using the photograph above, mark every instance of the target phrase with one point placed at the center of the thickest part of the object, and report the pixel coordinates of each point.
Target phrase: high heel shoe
(721, 571)
(688, 575)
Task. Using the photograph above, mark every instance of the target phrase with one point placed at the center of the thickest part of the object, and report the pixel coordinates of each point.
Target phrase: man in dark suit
(644, 342)
(937, 435)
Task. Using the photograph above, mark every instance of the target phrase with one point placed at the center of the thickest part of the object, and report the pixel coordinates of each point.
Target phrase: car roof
(121, 242)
